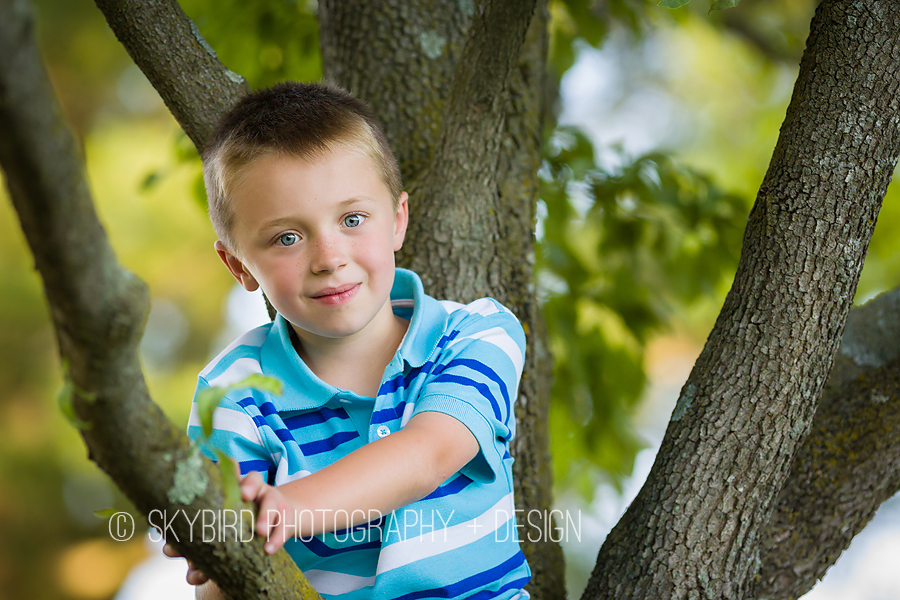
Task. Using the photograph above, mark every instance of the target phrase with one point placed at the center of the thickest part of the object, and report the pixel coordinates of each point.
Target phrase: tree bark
(850, 462)
(98, 310)
(402, 60)
(694, 529)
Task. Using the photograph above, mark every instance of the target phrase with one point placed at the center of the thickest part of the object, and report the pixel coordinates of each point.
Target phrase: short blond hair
(303, 120)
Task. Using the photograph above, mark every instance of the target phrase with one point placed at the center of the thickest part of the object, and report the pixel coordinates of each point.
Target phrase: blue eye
(288, 239)
(353, 220)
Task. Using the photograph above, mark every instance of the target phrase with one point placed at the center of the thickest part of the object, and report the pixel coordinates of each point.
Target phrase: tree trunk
(465, 244)
(693, 530)
(850, 462)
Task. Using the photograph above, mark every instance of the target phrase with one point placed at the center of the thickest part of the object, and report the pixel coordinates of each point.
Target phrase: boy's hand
(277, 517)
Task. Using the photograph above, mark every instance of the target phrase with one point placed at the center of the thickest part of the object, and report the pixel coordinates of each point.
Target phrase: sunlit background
(702, 96)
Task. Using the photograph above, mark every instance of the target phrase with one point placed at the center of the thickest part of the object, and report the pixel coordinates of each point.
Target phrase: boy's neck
(355, 363)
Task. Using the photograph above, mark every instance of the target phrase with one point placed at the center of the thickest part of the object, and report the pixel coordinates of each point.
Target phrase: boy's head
(301, 120)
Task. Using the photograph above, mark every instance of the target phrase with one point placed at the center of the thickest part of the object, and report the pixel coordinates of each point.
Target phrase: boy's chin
(318, 331)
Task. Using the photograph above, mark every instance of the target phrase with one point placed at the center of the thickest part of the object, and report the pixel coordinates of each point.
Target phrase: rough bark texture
(399, 57)
(693, 530)
(98, 309)
(850, 462)
(167, 46)
(402, 60)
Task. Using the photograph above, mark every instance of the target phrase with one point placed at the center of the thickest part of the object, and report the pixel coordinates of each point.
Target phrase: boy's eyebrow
(279, 222)
(356, 199)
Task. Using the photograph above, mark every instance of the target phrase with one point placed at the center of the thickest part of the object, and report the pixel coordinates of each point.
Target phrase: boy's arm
(378, 478)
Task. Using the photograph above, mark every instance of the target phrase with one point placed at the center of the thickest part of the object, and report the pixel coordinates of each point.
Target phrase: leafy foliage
(620, 252)
(208, 400)
(589, 21)
(723, 4)
(231, 483)
(265, 41)
(716, 5)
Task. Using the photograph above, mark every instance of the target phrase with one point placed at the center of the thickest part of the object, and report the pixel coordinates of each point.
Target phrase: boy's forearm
(382, 476)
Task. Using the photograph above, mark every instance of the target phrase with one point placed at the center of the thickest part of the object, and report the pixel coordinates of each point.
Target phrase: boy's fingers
(251, 486)
(195, 576)
(269, 515)
(276, 538)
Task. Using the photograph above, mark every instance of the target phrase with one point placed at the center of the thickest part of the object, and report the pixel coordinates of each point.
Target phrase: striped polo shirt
(462, 360)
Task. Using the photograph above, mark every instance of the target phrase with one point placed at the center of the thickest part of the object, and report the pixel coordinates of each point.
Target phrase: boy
(383, 468)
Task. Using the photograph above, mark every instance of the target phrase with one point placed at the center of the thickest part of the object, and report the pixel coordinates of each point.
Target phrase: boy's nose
(328, 256)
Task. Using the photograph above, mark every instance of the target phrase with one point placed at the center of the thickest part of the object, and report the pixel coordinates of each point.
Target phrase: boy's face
(319, 237)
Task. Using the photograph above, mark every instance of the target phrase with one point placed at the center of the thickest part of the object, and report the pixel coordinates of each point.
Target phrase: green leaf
(66, 399)
(673, 3)
(723, 4)
(259, 382)
(105, 513)
(207, 401)
(152, 178)
(230, 483)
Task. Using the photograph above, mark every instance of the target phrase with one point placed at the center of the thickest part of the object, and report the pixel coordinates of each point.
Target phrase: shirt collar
(429, 319)
(303, 390)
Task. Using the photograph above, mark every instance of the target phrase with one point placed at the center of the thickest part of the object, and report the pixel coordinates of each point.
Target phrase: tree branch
(186, 72)
(850, 462)
(695, 526)
(98, 310)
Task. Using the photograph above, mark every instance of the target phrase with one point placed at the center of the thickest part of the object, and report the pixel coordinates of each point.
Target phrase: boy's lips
(336, 295)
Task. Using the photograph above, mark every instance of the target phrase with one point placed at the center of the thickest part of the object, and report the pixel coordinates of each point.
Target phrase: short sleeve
(234, 432)
(475, 380)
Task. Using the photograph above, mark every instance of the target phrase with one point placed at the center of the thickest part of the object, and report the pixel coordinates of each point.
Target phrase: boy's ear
(401, 220)
(236, 268)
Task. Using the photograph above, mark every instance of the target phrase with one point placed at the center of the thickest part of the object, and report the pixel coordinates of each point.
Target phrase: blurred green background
(667, 120)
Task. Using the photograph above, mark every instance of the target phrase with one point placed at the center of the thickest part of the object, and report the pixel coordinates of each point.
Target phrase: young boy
(383, 468)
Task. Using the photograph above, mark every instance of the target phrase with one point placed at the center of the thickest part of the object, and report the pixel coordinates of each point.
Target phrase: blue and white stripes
(462, 360)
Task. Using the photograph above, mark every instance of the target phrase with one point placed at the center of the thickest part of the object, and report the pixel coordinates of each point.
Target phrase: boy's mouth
(336, 295)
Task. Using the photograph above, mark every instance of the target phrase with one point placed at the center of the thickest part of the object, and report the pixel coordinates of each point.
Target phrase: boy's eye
(353, 220)
(288, 239)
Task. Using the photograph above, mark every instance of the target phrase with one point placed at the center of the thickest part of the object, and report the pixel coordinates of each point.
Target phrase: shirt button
(382, 431)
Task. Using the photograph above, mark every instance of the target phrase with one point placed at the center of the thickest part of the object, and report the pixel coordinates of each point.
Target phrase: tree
(701, 523)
